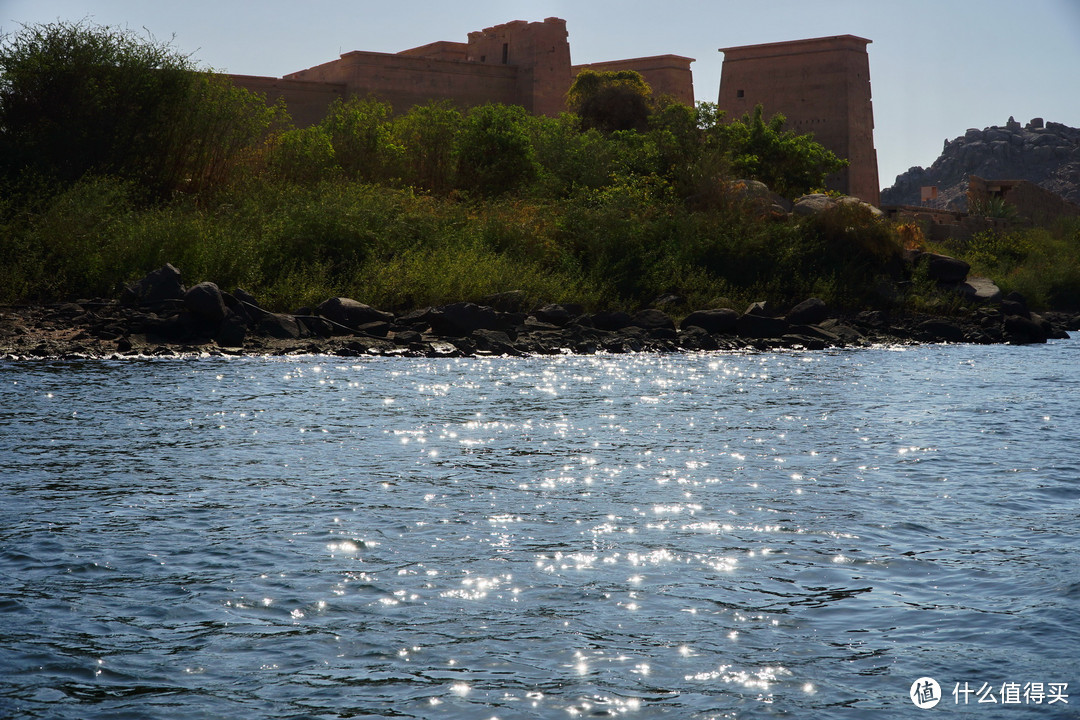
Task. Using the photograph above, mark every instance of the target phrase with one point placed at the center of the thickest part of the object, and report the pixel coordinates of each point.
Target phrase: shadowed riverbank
(159, 316)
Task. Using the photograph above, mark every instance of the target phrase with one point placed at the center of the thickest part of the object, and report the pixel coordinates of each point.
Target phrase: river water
(683, 536)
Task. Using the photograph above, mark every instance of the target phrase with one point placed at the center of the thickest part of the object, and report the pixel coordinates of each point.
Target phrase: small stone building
(1031, 202)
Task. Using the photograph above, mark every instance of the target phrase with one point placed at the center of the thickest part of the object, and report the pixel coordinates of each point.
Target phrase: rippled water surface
(683, 536)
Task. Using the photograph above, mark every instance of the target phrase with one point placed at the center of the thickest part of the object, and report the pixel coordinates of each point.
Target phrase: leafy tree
(359, 131)
(78, 99)
(610, 100)
(569, 158)
(303, 155)
(219, 132)
(427, 135)
(685, 155)
(635, 154)
(494, 151)
(789, 164)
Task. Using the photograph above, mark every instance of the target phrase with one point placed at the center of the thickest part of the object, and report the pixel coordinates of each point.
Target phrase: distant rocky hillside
(1047, 154)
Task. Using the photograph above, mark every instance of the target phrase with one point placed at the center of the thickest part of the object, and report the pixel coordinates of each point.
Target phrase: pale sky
(937, 67)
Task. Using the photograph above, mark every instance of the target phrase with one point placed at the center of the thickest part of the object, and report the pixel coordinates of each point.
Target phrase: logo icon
(925, 693)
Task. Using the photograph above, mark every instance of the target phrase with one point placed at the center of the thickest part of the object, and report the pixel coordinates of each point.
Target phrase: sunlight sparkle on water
(345, 546)
(687, 522)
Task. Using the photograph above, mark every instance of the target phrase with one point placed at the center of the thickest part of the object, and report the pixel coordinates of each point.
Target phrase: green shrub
(219, 136)
(568, 158)
(610, 100)
(495, 154)
(994, 253)
(78, 100)
(427, 137)
(304, 155)
(849, 248)
(359, 131)
(1042, 263)
(77, 245)
(790, 164)
(462, 271)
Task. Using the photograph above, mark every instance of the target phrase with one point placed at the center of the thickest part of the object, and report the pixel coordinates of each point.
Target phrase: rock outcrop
(817, 203)
(152, 320)
(1044, 153)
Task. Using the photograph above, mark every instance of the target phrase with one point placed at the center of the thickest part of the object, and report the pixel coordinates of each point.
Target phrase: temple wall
(405, 81)
(539, 50)
(307, 101)
(822, 86)
(666, 74)
(516, 63)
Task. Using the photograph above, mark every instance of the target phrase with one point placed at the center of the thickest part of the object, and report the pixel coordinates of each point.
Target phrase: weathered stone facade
(520, 63)
(666, 74)
(307, 101)
(822, 86)
(1031, 202)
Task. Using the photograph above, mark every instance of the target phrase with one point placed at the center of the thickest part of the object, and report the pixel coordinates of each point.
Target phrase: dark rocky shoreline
(158, 316)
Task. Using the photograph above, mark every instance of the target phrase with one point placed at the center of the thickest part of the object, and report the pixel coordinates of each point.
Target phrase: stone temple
(821, 85)
(517, 63)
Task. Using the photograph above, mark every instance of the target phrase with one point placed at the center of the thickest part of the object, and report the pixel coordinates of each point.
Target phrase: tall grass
(1042, 263)
(296, 243)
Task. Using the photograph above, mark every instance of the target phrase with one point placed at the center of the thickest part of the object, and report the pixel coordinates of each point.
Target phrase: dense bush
(790, 164)
(494, 152)
(302, 155)
(359, 132)
(73, 101)
(78, 100)
(610, 100)
(427, 138)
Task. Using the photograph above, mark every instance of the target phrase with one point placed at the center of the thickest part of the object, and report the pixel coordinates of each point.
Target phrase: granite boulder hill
(1044, 153)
